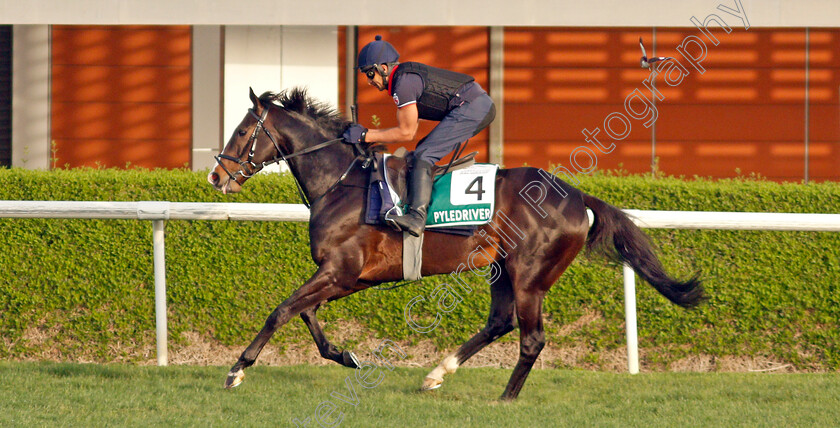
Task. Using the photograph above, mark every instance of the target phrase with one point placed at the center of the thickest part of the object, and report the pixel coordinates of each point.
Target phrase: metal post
(807, 101)
(497, 89)
(160, 291)
(653, 164)
(351, 35)
(630, 319)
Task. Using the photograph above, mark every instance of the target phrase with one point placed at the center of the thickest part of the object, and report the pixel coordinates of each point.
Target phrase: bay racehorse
(352, 256)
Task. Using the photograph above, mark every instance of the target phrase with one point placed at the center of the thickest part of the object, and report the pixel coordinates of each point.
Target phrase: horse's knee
(276, 320)
(499, 328)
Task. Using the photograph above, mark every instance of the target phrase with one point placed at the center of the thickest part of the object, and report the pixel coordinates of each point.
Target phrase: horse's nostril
(213, 178)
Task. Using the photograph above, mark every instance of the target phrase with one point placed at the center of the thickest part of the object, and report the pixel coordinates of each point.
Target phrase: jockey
(420, 91)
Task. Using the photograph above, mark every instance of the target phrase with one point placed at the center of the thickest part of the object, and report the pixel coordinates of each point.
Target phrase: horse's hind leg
(531, 279)
(327, 349)
(531, 340)
(499, 323)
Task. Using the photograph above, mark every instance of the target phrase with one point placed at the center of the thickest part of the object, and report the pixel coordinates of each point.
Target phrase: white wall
(310, 59)
(277, 58)
(607, 13)
(206, 95)
(31, 97)
(252, 59)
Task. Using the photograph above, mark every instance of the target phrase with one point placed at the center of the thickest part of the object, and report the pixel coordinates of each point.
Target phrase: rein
(253, 168)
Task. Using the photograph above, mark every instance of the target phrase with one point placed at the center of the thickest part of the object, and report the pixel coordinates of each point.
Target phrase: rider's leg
(462, 123)
(459, 125)
(419, 193)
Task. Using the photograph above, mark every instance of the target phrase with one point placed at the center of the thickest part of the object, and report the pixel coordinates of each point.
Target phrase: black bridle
(253, 168)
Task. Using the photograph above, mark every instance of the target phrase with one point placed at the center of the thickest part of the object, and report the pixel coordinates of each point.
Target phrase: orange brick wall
(560, 81)
(121, 95)
(745, 114)
(824, 103)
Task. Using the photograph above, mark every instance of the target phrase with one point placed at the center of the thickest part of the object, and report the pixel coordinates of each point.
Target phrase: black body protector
(441, 89)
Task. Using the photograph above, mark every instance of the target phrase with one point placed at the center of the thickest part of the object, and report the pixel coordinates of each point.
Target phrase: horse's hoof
(350, 360)
(430, 384)
(234, 379)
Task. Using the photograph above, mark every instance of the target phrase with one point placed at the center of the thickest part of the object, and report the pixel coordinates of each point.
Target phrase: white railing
(154, 210)
(158, 212)
(735, 220)
(709, 220)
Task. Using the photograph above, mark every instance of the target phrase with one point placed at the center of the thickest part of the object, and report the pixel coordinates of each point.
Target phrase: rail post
(630, 319)
(158, 212)
(160, 291)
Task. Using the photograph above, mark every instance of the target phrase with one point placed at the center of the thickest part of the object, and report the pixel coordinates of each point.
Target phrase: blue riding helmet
(377, 52)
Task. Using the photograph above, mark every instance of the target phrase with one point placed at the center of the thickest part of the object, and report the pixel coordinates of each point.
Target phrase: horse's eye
(242, 132)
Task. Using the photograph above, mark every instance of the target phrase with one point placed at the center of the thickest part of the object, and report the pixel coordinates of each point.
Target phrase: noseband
(254, 168)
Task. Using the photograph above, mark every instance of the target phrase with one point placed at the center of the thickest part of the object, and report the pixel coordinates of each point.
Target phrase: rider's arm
(407, 120)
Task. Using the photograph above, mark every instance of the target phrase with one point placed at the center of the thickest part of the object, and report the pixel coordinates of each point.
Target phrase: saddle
(396, 167)
(380, 200)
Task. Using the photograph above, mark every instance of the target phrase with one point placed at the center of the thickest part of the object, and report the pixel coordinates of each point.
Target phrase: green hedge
(84, 288)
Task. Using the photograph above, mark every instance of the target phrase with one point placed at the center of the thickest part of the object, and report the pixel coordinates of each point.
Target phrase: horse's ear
(254, 98)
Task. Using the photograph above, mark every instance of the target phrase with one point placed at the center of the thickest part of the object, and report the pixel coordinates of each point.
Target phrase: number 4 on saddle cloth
(461, 199)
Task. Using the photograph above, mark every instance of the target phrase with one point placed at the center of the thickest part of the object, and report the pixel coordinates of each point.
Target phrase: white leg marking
(447, 366)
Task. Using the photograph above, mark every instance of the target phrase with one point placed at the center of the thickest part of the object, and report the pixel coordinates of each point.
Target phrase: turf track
(46, 394)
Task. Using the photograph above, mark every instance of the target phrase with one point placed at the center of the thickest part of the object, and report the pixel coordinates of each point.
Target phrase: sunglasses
(370, 72)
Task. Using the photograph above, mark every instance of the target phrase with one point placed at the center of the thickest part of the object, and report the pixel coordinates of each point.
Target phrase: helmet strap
(383, 74)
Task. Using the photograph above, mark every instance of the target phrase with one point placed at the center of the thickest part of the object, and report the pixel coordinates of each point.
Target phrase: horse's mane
(296, 100)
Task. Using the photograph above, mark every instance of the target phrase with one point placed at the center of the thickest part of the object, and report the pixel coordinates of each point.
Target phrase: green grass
(48, 394)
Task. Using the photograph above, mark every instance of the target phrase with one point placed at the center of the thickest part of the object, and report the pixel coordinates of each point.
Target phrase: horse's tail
(620, 240)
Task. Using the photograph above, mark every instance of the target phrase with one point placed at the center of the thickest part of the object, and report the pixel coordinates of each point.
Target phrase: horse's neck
(315, 171)
(319, 170)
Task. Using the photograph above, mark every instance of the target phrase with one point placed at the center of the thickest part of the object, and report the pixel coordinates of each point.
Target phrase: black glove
(355, 134)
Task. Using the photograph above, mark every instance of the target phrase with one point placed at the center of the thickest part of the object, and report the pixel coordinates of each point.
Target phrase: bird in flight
(646, 62)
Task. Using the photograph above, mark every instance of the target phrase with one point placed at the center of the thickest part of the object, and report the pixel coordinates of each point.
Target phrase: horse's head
(287, 126)
(251, 147)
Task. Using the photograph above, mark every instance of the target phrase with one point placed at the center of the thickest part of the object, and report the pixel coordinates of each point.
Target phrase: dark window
(5, 95)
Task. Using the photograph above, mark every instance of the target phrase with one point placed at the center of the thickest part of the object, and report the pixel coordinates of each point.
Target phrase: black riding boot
(419, 193)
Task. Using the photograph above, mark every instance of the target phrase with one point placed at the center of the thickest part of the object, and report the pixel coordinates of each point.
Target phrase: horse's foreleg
(327, 349)
(321, 287)
(499, 323)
